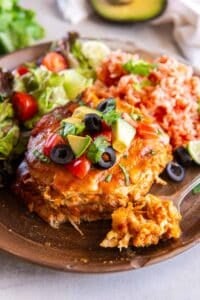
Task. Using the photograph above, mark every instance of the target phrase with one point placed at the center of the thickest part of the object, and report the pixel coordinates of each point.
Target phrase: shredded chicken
(143, 223)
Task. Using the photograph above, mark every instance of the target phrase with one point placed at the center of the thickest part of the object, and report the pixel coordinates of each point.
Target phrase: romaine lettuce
(50, 89)
(89, 55)
(9, 131)
(95, 52)
(46, 87)
(18, 26)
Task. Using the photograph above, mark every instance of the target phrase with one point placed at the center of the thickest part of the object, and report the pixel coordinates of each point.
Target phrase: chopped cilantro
(110, 105)
(108, 178)
(39, 155)
(159, 132)
(111, 117)
(97, 148)
(139, 67)
(126, 175)
(196, 189)
(68, 128)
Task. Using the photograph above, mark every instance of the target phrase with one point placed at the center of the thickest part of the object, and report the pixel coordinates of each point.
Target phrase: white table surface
(177, 278)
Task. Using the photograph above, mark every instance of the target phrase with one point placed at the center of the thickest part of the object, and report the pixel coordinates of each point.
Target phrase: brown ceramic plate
(27, 236)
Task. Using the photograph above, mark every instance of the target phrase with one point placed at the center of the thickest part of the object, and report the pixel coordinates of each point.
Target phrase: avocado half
(129, 11)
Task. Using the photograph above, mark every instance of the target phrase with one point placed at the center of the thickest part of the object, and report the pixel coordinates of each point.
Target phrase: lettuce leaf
(139, 67)
(8, 141)
(85, 68)
(75, 83)
(46, 87)
(18, 26)
(95, 52)
(9, 130)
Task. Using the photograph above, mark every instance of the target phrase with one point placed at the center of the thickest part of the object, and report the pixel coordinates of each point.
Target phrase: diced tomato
(153, 78)
(52, 140)
(106, 75)
(21, 70)
(160, 113)
(79, 167)
(25, 106)
(105, 126)
(54, 62)
(147, 131)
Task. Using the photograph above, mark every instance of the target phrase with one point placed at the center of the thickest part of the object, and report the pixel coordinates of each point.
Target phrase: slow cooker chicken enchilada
(96, 153)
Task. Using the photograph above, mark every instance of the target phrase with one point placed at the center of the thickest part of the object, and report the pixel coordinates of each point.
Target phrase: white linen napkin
(74, 11)
(184, 14)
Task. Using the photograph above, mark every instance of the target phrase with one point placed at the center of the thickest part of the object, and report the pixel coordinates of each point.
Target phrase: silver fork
(179, 196)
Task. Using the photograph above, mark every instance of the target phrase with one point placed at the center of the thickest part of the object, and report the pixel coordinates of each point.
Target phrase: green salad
(18, 26)
(9, 130)
(50, 89)
(35, 89)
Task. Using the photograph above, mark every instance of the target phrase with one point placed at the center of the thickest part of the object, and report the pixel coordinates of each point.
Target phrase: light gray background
(177, 278)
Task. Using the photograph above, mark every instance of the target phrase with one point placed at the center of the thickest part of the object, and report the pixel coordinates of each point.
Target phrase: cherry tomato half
(54, 62)
(21, 70)
(25, 106)
(53, 140)
(79, 167)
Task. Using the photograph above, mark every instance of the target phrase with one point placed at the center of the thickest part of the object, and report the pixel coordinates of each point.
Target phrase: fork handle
(178, 197)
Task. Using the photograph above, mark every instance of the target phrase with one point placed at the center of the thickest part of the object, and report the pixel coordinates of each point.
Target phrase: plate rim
(25, 251)
(28, 253)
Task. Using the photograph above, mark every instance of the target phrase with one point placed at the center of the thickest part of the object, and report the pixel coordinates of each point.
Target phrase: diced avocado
(132, 10)
(71, 120)
(72, 125)
(79, 144)
(123, 133)
(74, 83)
(81, 111)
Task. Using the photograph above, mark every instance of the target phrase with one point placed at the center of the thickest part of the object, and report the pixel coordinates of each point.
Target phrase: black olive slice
(61, 154)
(175, 171)
(93, 123)
(107, 105)
(182, 156)
(107, 160)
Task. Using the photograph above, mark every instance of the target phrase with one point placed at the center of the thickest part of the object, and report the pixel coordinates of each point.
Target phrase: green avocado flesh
(123, 133)
(135, 10)
(79, 144)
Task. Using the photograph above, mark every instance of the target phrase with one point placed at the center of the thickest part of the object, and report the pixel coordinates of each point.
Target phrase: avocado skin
(101, 14)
